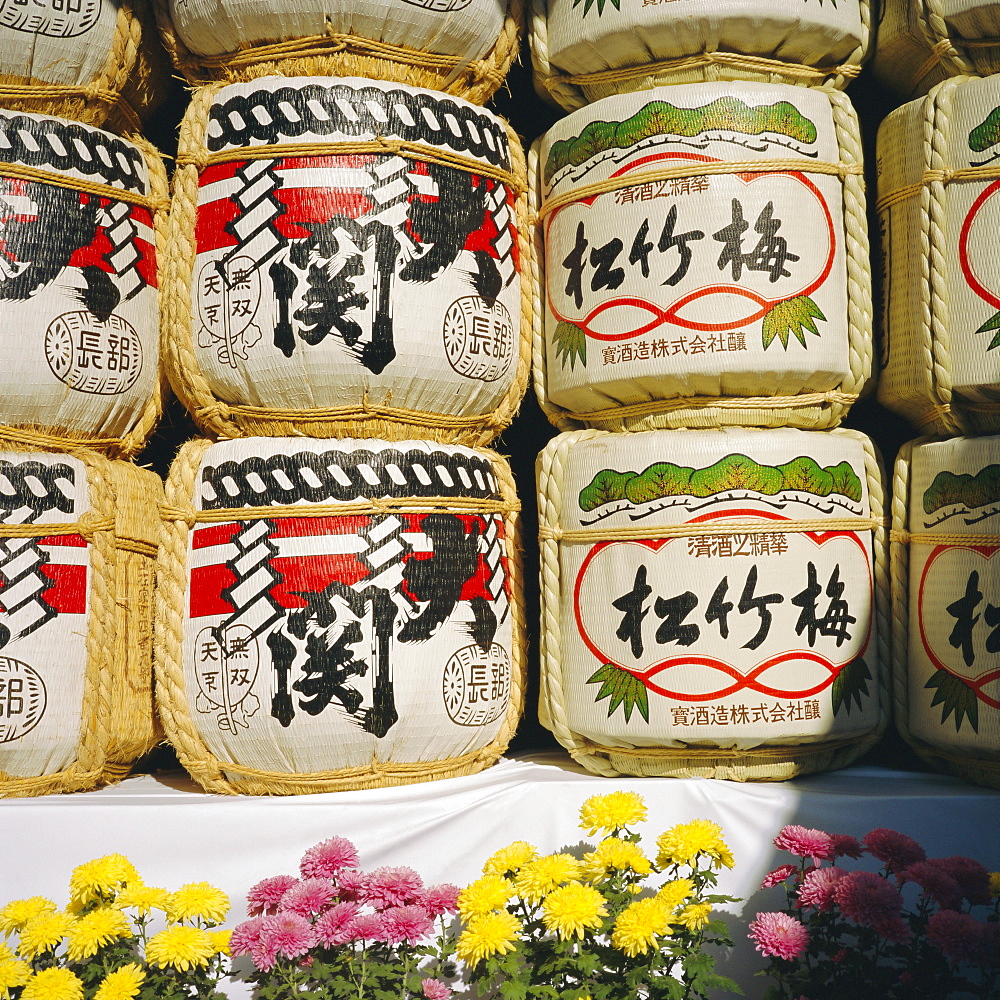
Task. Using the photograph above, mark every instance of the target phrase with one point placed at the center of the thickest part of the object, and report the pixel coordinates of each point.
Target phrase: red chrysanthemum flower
(779, 935)
(778, 876)
(805, 843)
(328, 858)
(895, 850)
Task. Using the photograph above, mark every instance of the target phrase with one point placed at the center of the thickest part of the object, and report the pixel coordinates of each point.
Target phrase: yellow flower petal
(615, 811)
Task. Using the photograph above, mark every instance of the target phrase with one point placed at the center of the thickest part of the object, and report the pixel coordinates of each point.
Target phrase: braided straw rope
(977, 766)
(577, 91)
(772, 761)
(365, 418)
(174, 701)
(340, 54)
(810, 410)
(117, 721)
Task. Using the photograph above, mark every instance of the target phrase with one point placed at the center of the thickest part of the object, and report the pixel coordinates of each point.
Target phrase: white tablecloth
(445, 829)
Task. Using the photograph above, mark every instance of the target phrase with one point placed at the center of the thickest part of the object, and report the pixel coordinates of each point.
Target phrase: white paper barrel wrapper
(939, 201)
(79, 361)
(462, 47)
(95, 61)
(706, 260)
(78, 538)
(922, 42)
(713, 602)
(367, 632)
(354, 266)
(946, 604)
(584, 50)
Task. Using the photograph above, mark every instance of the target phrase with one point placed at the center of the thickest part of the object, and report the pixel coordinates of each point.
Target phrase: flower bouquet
(845, 934)
(101, 947)
(541, 927)
(339, 932)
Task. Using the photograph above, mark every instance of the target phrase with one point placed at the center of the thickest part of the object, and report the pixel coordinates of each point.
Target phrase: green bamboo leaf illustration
(791, 316)
(954, 695)
(993, 323)
(623, 688)
(851, 684)
(571, 343)
(601, 4)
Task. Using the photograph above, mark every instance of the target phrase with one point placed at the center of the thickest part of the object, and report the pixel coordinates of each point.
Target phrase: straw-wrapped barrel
(78, 543)
(713, 602)
(338, 614)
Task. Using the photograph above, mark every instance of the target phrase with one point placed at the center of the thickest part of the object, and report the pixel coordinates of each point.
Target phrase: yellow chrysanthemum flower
(616, 855)
(694, 916)
(92, 931)
(19, 911)
(143, 898)
(198, 901)
(181, 947)
(672, 894)
(122, 984)
(995, 884)
(486, 935)
(43, 933)
(13, 972)
(638, 926)
(53, 984)
(510, 858)
(539, 877)
(605, 813)
(220, 941)
(485, 895)
(101, 877)
(573, 908)
(682, 844)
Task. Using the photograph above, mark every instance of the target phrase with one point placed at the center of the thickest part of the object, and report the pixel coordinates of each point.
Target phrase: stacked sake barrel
(348, 320)
(83, 218)
(714, 574)
(937, 185)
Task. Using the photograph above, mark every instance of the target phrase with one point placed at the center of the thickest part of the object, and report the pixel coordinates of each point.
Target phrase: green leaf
(954, 695)
(851, 684)
(511, 989)
(791, 316)
(623, 688)
(571, 343)
(993, 323)
(601, 4)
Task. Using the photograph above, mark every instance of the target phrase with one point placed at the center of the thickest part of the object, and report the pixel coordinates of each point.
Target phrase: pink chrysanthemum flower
(936, 882)
(779, 935)
(867, 898)
(817, 888)
(406, 924)
(805, 843)
(434, 989)
(894, 929)
(351, 884)
(325, 860)
(245, 936)
(265, 896)
(895, 850)
(438, 900)
(778, 876)
(973, 878)
(958, 936)
(309, 897)
(392, 886)
(288, 934)
(845, 846)
(368, 926)
(336, 926)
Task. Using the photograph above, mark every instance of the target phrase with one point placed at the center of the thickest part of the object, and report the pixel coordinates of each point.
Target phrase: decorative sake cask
(922, 42)
(338, 614)
(585, 51)
(348, 257)
(78, 543)
(713, 601)
(706, 260)
(83, 213)
(462, 47)
(939, 205)
(94, 61)
(946, 604)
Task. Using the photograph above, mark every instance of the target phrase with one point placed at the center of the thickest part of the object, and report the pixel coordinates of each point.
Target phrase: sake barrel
(83, 212)
(585, 51)
(946, 604)
(338, 614)
(347, 257)
(462, 47)
(95, 61)
(78, 542)
(938, 187)
(713, 601)
(922, 42)
(706, 260)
